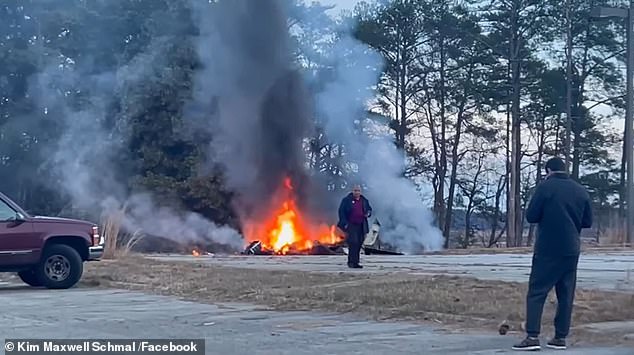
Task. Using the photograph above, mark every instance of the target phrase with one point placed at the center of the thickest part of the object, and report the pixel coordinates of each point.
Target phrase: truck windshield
(6, 213)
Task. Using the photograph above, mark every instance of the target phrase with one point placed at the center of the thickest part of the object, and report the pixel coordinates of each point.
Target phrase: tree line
(478, 94)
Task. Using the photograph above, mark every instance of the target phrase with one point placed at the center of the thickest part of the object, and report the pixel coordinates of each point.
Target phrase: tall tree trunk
(496, 212)
(472, 194)
(538, 173)
(454, 172)
(578, 114)
(558, 139)
(467, 227)
(454, 156)
(435, 140)
(576, 154)
(510, 232)
(400, 98)
(403, 99)
(440, 200)
(515, 210)
(567, 142)
(622, 177)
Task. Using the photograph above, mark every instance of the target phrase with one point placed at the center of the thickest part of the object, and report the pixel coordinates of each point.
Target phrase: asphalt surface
(607, 271)
(230, 328)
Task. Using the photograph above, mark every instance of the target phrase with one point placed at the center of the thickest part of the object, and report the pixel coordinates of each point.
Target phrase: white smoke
(83, 159)
(94, 137)
(405, 221)
(232, 71)
(144, 214)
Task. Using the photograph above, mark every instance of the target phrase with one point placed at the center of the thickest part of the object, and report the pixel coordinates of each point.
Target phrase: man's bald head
(356, 191)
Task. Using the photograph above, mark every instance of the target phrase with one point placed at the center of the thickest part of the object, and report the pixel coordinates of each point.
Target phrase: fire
(286, 233)
(197, 252)
(287, 230)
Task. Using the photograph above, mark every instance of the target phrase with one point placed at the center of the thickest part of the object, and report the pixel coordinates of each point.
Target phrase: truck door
(16, 237)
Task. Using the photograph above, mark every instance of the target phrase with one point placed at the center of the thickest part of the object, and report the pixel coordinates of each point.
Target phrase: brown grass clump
(614, 231)
(118, 244)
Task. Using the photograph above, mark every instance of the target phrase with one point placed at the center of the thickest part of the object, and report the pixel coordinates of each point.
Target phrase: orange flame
(286, 230)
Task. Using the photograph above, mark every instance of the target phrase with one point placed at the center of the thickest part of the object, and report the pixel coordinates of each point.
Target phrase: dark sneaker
(357, 266)
(557, 344)
(528, 344)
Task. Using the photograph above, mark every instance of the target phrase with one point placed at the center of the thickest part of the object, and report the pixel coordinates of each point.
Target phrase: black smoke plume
(262, 107)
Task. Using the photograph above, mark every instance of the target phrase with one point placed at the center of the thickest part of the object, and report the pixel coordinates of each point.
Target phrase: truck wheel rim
(57, 268)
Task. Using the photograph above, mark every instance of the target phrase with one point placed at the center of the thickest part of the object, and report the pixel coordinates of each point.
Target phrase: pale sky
(341, 4)
(615, 123)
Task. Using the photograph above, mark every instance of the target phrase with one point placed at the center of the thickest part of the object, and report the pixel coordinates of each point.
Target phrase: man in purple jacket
(354, 211)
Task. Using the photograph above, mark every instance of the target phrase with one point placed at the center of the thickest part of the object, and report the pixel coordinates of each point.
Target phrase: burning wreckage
(288, 233)
(371, 245)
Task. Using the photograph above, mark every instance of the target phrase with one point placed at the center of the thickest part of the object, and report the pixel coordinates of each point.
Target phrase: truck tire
(30, 278)
(61, 267)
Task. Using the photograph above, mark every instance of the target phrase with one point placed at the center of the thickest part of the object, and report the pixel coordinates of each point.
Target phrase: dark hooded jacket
(346, 207)
(561, 207)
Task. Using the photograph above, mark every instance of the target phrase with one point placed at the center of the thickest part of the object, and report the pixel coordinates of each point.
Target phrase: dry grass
(118, 244)
(613, 232)
(455, 301)
(613, 236)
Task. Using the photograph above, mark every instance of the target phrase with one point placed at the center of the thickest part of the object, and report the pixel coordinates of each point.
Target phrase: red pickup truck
(45, 251)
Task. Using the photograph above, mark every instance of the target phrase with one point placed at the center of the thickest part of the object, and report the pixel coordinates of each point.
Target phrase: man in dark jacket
(561, 207)
(354, 211)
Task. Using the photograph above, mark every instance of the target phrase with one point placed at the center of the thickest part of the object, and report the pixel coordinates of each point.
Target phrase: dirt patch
(451, 301)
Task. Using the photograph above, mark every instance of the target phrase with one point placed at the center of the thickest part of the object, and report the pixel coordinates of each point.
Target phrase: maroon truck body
(24, 238)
